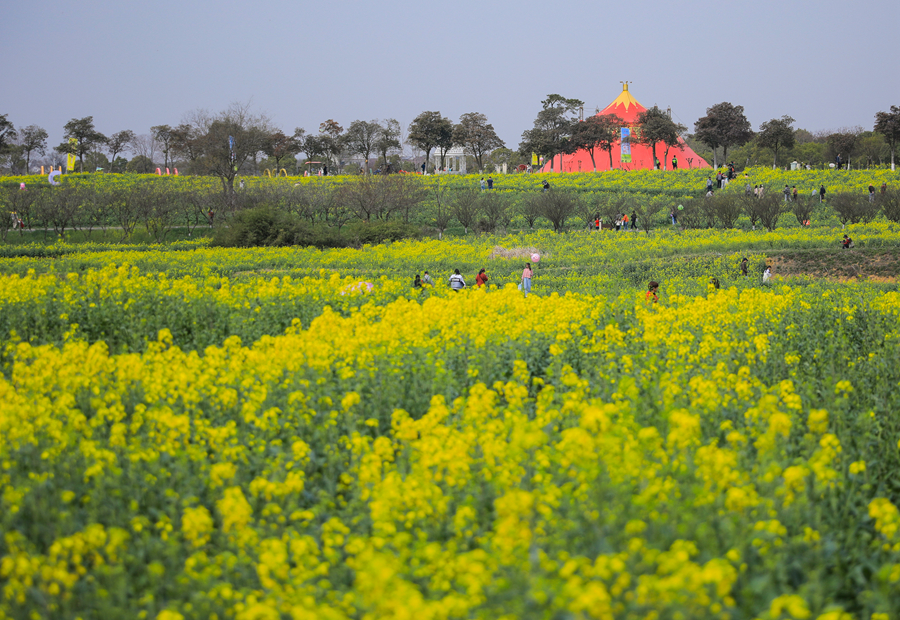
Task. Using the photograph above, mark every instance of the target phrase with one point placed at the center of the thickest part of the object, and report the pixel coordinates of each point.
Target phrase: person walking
(526, 279)
(652, 295)
(634, 220)
(794, 194)
(490, 183)
(883, 188)
(787, 193)
(767, 275)
(822, 193)
(457, 283)
(674, 162)
(417, 283)
(482, 184)
(481, 279)
(871, 193)
(744, 266)
(426, 279)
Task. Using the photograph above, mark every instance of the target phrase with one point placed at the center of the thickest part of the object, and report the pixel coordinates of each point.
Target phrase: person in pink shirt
(526, 279)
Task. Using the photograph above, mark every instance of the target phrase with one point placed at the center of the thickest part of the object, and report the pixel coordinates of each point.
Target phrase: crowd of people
(457, 281)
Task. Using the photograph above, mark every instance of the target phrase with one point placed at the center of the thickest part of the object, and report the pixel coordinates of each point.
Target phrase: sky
(131, 65)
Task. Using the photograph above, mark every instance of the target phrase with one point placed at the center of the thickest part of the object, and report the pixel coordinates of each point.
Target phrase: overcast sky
(131, 65)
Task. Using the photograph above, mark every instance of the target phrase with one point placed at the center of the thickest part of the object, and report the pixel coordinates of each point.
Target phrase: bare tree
(557, 206)
(766, 210)
(225, 141)
(464, 205)
(32, 139)
(853, 208)
(530, 208)
(144, 145)
(494, 206)
(440, 215)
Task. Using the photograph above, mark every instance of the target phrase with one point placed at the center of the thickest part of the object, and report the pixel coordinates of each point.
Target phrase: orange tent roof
(626, 107)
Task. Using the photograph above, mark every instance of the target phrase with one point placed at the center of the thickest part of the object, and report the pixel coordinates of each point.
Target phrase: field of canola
(198, 433)
(648, 182)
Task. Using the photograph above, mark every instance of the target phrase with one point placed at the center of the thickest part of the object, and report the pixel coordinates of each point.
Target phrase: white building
(455, 159)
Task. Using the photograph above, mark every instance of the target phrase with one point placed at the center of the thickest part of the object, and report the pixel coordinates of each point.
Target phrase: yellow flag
(70, 161)
(534, 159)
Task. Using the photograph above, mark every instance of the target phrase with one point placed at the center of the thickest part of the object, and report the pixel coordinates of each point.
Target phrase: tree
(163, 136)
(530, 208)
(86, 136)
(727, 208)
(362, 137)
(890, 205)
(315, 147)
(557, 207)
(184, 143)
(600, 131)
(552, 128)
(477, 136)
(140, 164)
(464, 205)
(225, 141)
(145, 146)
(724, 125)
(766, 210)
(279, 146)
(333, 141)
(388, 138)
(888, 125)
(495, 208)
(873, 148)
(33, 139)
(440, 215)
(504, 156)
(429, 130)
(656, 127)
(7, 133)
(851, 208)
(775, 134)
(118, 142)
(843, 142)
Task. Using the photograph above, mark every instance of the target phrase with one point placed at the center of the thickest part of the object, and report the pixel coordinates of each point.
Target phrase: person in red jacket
(481, 279)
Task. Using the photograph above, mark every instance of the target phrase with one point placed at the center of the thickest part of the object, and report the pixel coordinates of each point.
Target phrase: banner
(626, 145)
(534, 159)
(70, 160)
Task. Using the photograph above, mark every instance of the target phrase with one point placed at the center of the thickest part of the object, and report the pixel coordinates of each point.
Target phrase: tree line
(238, 141)
(159, 205)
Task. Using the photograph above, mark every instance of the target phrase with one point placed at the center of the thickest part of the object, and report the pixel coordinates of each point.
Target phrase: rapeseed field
(189, 432)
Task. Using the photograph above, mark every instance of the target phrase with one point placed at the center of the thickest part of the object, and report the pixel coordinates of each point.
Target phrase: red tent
(627, 108)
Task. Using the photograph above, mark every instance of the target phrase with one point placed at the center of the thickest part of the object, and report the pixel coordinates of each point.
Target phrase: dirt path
(838, 264)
